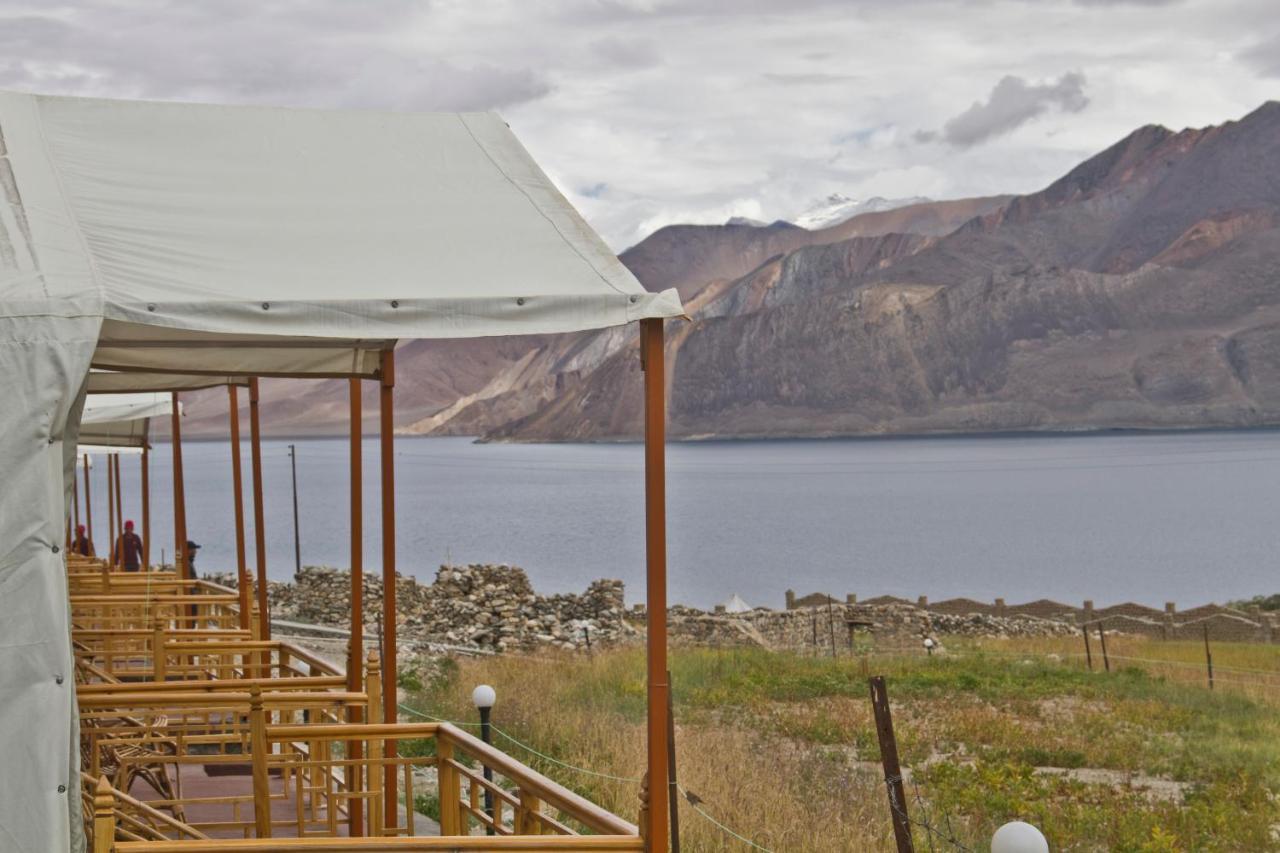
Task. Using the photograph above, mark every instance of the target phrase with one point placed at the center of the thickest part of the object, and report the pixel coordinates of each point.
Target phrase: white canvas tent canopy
(735, 604)
(223, 240)
(113, 421)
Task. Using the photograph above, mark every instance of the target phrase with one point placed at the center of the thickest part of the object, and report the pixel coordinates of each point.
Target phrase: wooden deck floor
(196, 783)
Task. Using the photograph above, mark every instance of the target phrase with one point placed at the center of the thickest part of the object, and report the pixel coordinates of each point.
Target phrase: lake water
(1187, 517)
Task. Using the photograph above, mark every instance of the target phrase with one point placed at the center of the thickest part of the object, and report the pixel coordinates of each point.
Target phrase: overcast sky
(647, 112)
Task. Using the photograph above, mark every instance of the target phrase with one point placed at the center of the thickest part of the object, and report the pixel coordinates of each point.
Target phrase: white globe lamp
(1019, 837)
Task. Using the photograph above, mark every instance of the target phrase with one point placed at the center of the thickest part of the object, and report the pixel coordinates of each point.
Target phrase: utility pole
(297, 540)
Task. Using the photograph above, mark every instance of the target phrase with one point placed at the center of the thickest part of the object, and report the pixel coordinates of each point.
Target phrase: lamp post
(484, 697)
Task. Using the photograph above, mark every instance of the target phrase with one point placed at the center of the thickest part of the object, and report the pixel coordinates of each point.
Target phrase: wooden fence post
(1208, 657)
(104, 817)
(258, 745)
(1088, 652)
(892, 769)
(1102, 638)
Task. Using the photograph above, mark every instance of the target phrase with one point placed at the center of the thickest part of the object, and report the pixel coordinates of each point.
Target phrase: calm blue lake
(1186, 517)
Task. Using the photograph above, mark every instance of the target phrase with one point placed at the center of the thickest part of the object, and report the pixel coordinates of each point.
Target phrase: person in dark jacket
(192, 548)
(129, 549)
(82, 545)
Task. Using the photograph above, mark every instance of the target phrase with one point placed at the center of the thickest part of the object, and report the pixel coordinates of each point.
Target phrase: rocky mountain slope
(1140, 290)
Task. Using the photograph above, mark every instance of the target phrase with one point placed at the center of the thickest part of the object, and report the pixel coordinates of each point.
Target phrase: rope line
(630, 780)
(726, 830)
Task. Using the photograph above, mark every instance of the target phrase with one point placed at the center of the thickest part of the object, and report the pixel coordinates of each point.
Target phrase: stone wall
(1251, 625)
(482, 606)
(803, 628)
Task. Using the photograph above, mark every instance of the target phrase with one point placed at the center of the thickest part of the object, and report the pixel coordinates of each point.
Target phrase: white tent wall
(44, 361)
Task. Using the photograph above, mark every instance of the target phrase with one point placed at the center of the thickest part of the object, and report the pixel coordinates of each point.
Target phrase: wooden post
(1102, 638)
(373, 688)
(237, 487)
(831, 627)
(117, 549)
(652, 362)
(159, 661)
(450, 790)
(386, 387)
(526, 814)
(354, 748)
(179, 495)
(75, 500)
(892, 769)
(1088, 652)
(104, 817)
(673, 794)
(261, 782)
(357, 529)
(1208, 657)
(259, 528)
(111, 512)
(88, 506)
(146, 503)
(813, 617)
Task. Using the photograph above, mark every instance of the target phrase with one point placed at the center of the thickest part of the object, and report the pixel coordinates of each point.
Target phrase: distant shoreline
(1083, 432)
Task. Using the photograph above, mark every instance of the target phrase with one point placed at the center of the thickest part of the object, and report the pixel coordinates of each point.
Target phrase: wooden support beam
(356, 655)
(259, 527)
(146, 504)
(88, 505)
(386, 387)
(357, 533)
(111, 512)
(117, 548)
(180, 560)
(652, 362)
(75, 497)
(237, 487)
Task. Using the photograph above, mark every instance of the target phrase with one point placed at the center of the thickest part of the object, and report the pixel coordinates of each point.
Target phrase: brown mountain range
(1141, 290)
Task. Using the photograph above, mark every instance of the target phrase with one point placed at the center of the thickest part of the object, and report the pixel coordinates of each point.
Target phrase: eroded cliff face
(1141, 290)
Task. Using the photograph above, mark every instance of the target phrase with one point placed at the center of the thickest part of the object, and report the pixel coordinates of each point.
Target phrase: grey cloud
(626, 53)
(1265, 57)
(1012, 103)
(330, 53)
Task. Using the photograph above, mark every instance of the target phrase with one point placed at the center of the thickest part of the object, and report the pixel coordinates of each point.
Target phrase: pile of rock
(489, 607)
(841, 623)
(495, 608)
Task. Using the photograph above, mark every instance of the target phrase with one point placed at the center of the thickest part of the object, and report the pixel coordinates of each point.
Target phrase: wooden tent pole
(355, 675)
(655, 499)
(237, 486)
(180, 556)
(88, 505)
(259, 530)
(357, 539)
(111, 511)
(386, 385)
(117, 550)
(76, 497)
(146, 502)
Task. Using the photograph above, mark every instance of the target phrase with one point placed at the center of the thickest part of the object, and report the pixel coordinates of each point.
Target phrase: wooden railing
(167, 680)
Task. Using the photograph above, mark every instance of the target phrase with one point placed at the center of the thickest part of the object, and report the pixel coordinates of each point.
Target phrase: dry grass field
(781, 748)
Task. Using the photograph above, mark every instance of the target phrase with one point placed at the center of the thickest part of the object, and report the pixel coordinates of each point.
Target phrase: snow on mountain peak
(837, 208)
